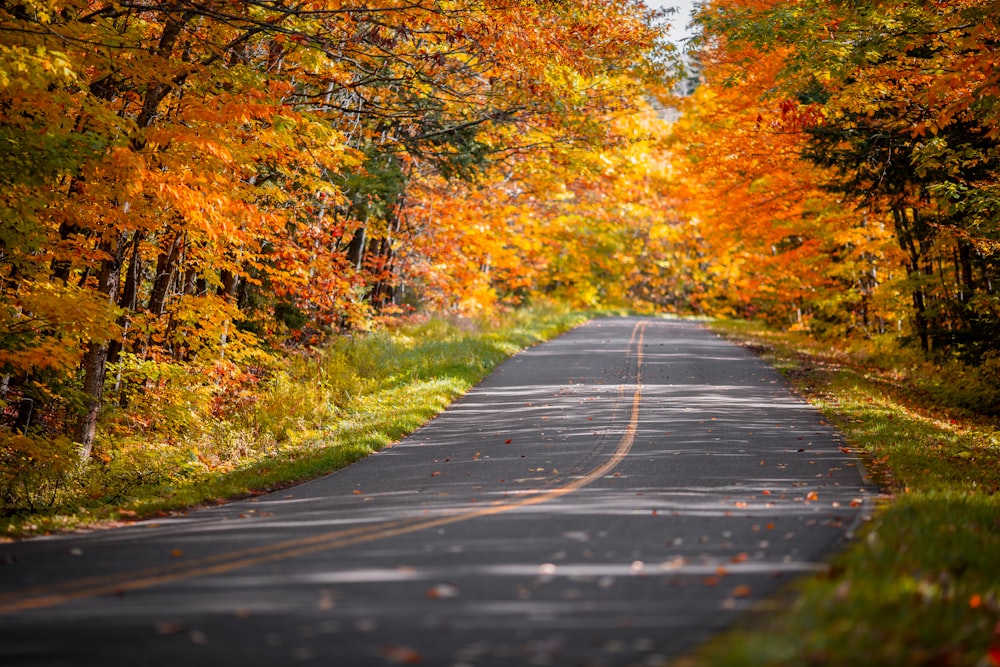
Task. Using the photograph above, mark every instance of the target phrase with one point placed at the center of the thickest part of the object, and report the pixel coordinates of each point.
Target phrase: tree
(885, 112)
(204, 179)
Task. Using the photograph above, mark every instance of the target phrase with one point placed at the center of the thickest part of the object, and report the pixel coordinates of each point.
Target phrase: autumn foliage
(193, 192)
(190, 189)
(842, 168)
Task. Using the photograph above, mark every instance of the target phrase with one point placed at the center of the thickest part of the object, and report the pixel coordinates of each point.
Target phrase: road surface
(612, 497)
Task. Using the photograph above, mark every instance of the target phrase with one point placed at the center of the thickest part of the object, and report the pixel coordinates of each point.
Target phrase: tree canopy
(186, 185)
(192, 192)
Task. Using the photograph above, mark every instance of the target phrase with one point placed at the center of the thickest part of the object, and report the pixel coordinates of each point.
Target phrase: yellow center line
(116, 581)
(226, 562)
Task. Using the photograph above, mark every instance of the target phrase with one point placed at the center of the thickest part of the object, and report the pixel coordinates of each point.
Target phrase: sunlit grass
(921, 584)
(318, 413)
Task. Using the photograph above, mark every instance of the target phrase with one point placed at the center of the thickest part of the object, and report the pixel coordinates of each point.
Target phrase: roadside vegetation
(920, 585)
(315, 412)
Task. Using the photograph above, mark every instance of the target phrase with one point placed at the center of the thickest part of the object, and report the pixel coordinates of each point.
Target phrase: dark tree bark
(95, 362)
(905, 233)
(166, 268)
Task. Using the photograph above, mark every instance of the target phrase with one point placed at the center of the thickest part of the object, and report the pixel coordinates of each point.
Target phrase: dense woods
(195, 193)
(191, 190)
(842, 166)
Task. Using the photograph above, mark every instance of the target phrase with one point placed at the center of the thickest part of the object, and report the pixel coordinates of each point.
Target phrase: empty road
(612, 497)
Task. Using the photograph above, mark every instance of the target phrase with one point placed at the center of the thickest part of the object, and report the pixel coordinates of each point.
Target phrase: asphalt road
(612, 497)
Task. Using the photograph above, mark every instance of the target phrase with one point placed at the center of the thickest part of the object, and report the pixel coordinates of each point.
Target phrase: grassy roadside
(318, 413)
(921, 585)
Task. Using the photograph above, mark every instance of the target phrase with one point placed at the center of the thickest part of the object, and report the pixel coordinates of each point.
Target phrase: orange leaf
(402, 655)
(741, 591)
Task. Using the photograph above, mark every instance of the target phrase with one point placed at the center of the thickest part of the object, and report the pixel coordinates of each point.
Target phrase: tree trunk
(230, 281)
(95, 367)
(95, 362)
(912, 248)
(965, 250)
(356, 249)
(127, 300)
(166, 267)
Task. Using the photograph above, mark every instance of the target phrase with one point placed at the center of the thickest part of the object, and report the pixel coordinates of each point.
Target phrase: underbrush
(310, 413)
(921, 585)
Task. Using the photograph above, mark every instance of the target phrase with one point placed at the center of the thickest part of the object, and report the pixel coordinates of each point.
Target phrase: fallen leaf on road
(673, 564)
(741, 591)
(325, 601)
(176, 553)
(169, 627)
(812, 495)
(402, 655)
(442, 591)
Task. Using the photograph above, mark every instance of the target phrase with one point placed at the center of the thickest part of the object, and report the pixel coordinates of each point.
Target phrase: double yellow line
(117, 583)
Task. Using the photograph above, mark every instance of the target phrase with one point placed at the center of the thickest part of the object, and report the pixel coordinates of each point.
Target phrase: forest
(198, 197)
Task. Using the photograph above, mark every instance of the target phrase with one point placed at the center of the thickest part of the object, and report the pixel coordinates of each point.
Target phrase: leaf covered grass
(921, 584)
(316, 413)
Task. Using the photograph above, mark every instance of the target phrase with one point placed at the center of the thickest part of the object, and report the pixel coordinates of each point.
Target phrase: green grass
(319, 412)
(921, 584)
